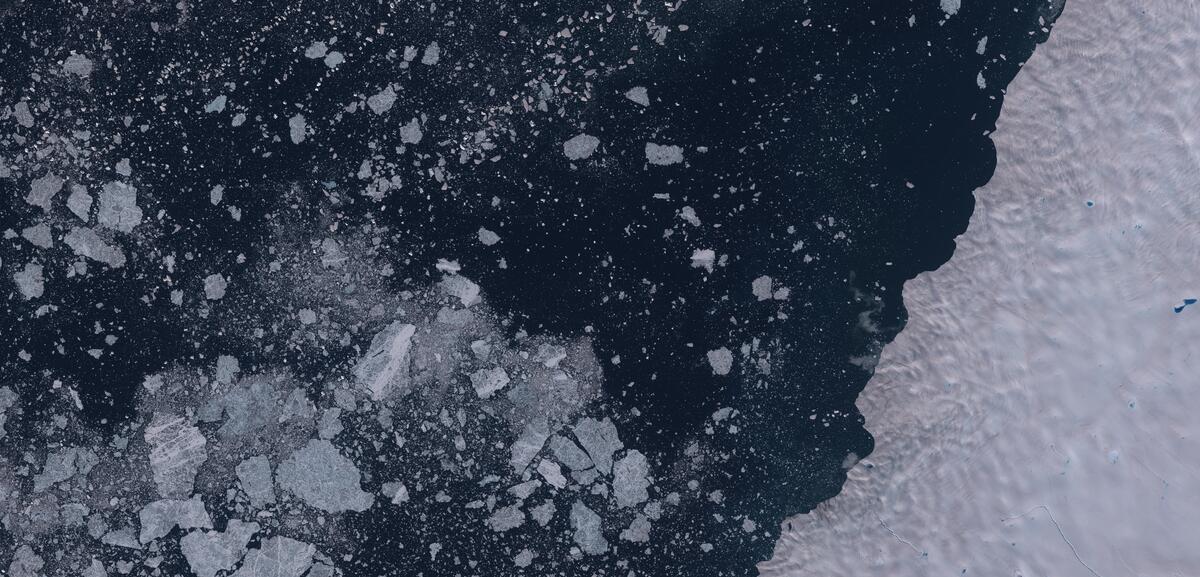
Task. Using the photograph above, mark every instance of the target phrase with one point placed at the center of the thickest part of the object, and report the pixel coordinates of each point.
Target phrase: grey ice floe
(528, 444)
(334, 59)
(382, 101)
(277, 557)
(630, 479)
(432, 54)
(227, 369)
(761, 287)
(217, 104)
(552, 473)
(639, 95)
(386, 364)
(704, 258)
(30, 282)
(487, 381)
(316, 50)
(721, 361)
(506, 518)
(461, 288)
(487, 237)
(158, 518)
(580, 146)
(297, 128)
(176, 453)
(78, 65)
(43, 189)
(64, 464)
(25, 563)
(118, 207)
(22, 114)
(951, 7)
(216, 194)
(570, 454)
(254, 477)
(586, 524)
(638, 530)
(209, 552)
(319, 475)
(411, 133)
(80, 202)
(214, 287)
(38, 235)
(663, 154)
(86, 243)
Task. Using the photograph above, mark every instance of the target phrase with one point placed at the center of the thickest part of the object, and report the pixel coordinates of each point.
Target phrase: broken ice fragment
(663, 154)
(158, 518)
(215, 195)
(569, 454)
(487, 381)
(30, 282)
(22, 115)
(382, 101)
(586, 524)
(62, 465)
(950, 7)
(630, 479)
(528, 445)
(43, 189)
(254, 477)
(600, 440)
(227, 369)
(277, 557)
(38, 235)
(639, 95)
(315, 50)
(552, 473)
(176, 453)
(25, 563)
(214, 287)
(209, 552)
(318, 474)
(638, 531)
(721, 361)
(118, 207)
(86, 243)
(580, 146)
(462, 288)
(78, 65)
(386, 363)
(297, 128)
(334, 59)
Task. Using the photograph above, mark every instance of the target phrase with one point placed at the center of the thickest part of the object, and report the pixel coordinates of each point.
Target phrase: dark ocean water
(852, 133)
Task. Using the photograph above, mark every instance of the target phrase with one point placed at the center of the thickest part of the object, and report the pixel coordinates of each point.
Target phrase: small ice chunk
(334, 59)
(386, 363)
(118, 207)
(663, 154)
(761, 287)
(297, 128)
(721, 361)
(158, 518)
(630, 479)
(254, 477)
(432, 54)
(62, 465)
(307, 316)
(277, 557)
(461, 288)
(43, 189)
(22, 115)
(980, 81)
(639, 95)
(638, 531)
(580, 146)
(25, 563)
(316, 50)
(95, 569)
(217, 104)
(123, 167)
(704, 258)
(214, 287)
(982, 46)
(586, 524)
(506, 518)
(951, 7)
(689, 214)
(487, 237)
(176, 453)
(332, 254)
(78, 65)
(80, 202)
(399, 494)
(411, 133)
(487, 381)
(524, 558)
(210, 552)
(600, 440)
(382, 101)
(216, 194)
(86, 243)
(30, 281)
(318, 474)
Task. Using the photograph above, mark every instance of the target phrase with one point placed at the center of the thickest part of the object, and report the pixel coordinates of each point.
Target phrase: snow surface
(1037, 416)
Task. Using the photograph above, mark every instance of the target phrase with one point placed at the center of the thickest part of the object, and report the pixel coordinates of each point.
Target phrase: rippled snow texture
(1038, 415)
